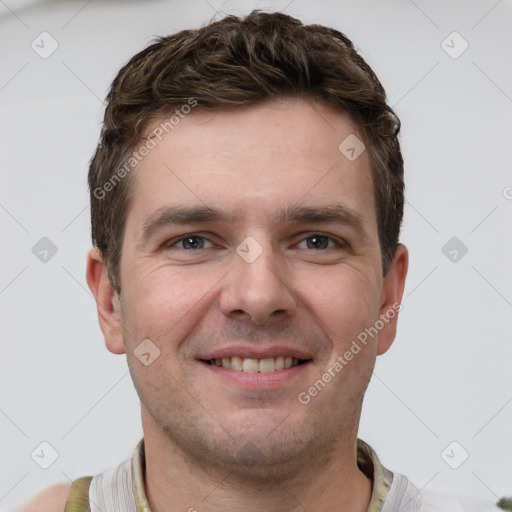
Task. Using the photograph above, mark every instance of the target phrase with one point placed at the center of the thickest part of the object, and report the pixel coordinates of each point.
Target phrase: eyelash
(338, 242)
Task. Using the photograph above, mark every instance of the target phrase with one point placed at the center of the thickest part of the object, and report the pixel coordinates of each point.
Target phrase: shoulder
(52, 499)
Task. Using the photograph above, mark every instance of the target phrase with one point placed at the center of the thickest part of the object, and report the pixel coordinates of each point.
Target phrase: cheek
(345, 301)
(163, 305)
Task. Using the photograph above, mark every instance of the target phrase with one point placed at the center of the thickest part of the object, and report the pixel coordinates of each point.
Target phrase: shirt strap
(78, 499)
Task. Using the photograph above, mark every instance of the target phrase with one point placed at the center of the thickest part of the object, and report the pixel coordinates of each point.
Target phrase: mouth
(253, 365)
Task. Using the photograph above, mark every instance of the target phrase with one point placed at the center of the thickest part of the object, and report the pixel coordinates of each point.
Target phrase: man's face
(274, 279)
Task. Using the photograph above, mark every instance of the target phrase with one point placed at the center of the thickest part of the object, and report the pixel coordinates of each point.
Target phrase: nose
(258, 290)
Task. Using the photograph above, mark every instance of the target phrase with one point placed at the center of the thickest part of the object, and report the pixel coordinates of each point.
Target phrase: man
(247, 197)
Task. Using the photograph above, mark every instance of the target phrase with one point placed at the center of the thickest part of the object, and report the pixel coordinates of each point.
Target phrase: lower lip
(256, 380)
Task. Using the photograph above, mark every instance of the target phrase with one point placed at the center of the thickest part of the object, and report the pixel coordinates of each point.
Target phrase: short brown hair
(238, 62)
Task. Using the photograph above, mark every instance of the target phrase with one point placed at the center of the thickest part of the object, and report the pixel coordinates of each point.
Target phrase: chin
(256, 455)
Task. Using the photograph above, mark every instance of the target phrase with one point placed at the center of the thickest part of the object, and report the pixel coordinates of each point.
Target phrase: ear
(107, 302)
(392, 292)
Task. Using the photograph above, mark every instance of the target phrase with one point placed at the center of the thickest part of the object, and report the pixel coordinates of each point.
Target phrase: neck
(329, 482)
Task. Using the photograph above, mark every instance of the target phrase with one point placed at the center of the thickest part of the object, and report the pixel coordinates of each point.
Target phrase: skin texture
(214, 444)
(52, 499)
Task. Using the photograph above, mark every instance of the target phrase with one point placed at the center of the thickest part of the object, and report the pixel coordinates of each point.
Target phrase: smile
(252, 365)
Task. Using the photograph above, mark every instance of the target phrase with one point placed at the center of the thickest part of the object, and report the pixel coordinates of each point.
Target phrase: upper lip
(255, 352)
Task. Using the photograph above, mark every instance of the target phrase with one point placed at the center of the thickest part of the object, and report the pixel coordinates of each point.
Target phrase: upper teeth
(248, 364)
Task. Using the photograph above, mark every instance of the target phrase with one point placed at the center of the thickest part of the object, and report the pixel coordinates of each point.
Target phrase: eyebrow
(184, 215)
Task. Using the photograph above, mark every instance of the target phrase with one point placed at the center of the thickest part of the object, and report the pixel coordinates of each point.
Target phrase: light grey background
(448, 376)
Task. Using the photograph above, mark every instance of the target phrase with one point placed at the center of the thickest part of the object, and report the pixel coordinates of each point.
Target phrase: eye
(318, 242)
(190, 242)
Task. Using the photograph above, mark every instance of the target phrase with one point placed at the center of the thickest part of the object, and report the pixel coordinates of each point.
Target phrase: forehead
(255, 160)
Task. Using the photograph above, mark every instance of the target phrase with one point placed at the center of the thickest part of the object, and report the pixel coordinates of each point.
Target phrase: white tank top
(121, 489)
(112, 490)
